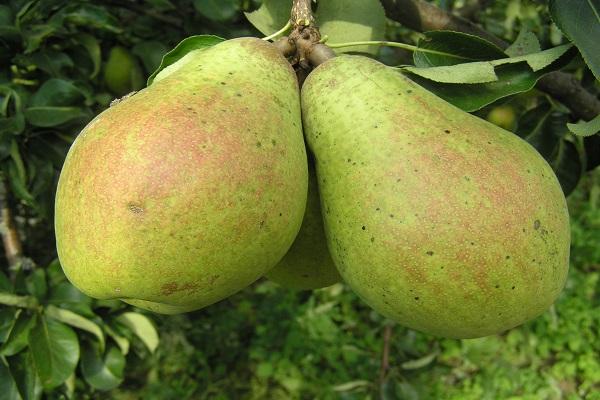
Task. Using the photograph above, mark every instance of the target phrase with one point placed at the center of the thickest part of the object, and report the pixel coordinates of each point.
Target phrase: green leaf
(77, 321)
(352, 21)
(569, 164)
(14, 300)
(191, 43)
(56, 92)
(8, 317)
(12, 126)
(420, 362)
(48, 116)
(5, 285)
(217, 10)
(93, 16)
(474, 72)
(539, 60)
(454, 48)
(8, 386)
(526, 43)
(17, 340)
(121, 341)
(36, 283)
(50, 61)
(580, 22)
(25, 376)
(91, 45)
(141, 326)
(55, 351)
(586, 128)
(102, 373)
(271, 16)
(543, 127)
(151, 54)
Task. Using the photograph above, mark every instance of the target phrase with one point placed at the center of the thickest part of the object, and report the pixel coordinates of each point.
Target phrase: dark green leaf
(580, 22)
(457, 48)
(50, 61)
(11, 126)
(48, 116)
(55, 351)
(8, 317)
(543, 127)
(25, 376)
(217, 10)
(151, 54)
(34, 36)
(89, 15)
(8, 386)
(184, 47)
(103, 373)
(271, 16)
(76, 321)
(5, 285)
(162, 5)
(56, 92)
(68, 296)
(17, 340)
(352, 21)
(91, 45)
(36, 283)
(569, 164)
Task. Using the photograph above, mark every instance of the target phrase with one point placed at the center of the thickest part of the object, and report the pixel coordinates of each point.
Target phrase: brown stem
(385, 354)
(13, 250)
(302, 13)
(306, 36)
(422, 16)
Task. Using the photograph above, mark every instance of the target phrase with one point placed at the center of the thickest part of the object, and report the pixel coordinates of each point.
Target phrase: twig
(385, 354)
(13, 249)
(422, 16)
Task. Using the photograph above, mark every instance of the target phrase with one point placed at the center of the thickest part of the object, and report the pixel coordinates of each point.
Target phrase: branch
(385, 354)
(422, 16)
(13, 249)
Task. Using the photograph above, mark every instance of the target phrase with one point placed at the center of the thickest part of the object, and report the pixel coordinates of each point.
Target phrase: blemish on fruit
(135, 208)
(537, 224)
(429, 253)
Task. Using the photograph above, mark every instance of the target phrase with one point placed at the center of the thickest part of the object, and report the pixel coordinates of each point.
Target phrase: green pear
(191, 189)
(307, 264)
(504, 116)
(437, 219)
(122, 72)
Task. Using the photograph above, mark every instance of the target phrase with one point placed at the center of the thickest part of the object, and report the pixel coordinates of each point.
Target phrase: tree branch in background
(385, 354)
(13, 249)
(421, 16)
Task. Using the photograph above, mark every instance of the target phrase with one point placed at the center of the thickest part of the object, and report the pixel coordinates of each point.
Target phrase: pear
(307, 264)
(122, 72)
(191, 189)
(435, 218)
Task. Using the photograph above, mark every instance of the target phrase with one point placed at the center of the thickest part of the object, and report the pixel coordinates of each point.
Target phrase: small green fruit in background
(191, 189)
(434, 217)
(308, 264)
(122, 72)
(503, 116)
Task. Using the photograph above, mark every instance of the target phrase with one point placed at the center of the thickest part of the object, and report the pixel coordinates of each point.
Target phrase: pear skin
(191, 189)
(307, 264)
(437, 219)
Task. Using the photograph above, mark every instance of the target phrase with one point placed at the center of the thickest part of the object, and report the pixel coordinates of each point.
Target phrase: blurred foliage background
(62, 62)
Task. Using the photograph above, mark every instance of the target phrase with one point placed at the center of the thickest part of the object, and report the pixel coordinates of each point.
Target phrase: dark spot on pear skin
(172, 287)
(536, 224)
(364, 227)
(417, 298)
(429, 253)
(135, 208)
(447, 131)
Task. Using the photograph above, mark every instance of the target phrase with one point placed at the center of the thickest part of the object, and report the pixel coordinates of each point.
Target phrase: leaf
(91, 16)
(348, 386)
(12, 126)
(539, 60)
(217, 10)
(454, 48)
(352, 21)
(48, 116)
(56, 92)
(569, 164)
(580, 22)
(543, 128)
(8, 386)
(66, 295)
(141, 326)
(55, 351)
(36, 283)
(25, 376)
(102, 373)
(271, 16)
(420, 362)
(583, 128)
(474, 72)
(151, 54)
(526, 43)
(91, 45)
(50, 61)
(14, 300)
(8, 317)
(121, 341)
(17, 340)
(184, 47)
(77, 321)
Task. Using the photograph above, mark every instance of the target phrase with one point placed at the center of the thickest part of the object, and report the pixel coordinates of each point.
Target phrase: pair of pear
(193, 188)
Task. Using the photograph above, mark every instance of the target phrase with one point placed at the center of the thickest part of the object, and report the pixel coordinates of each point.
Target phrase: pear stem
(272, 36)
